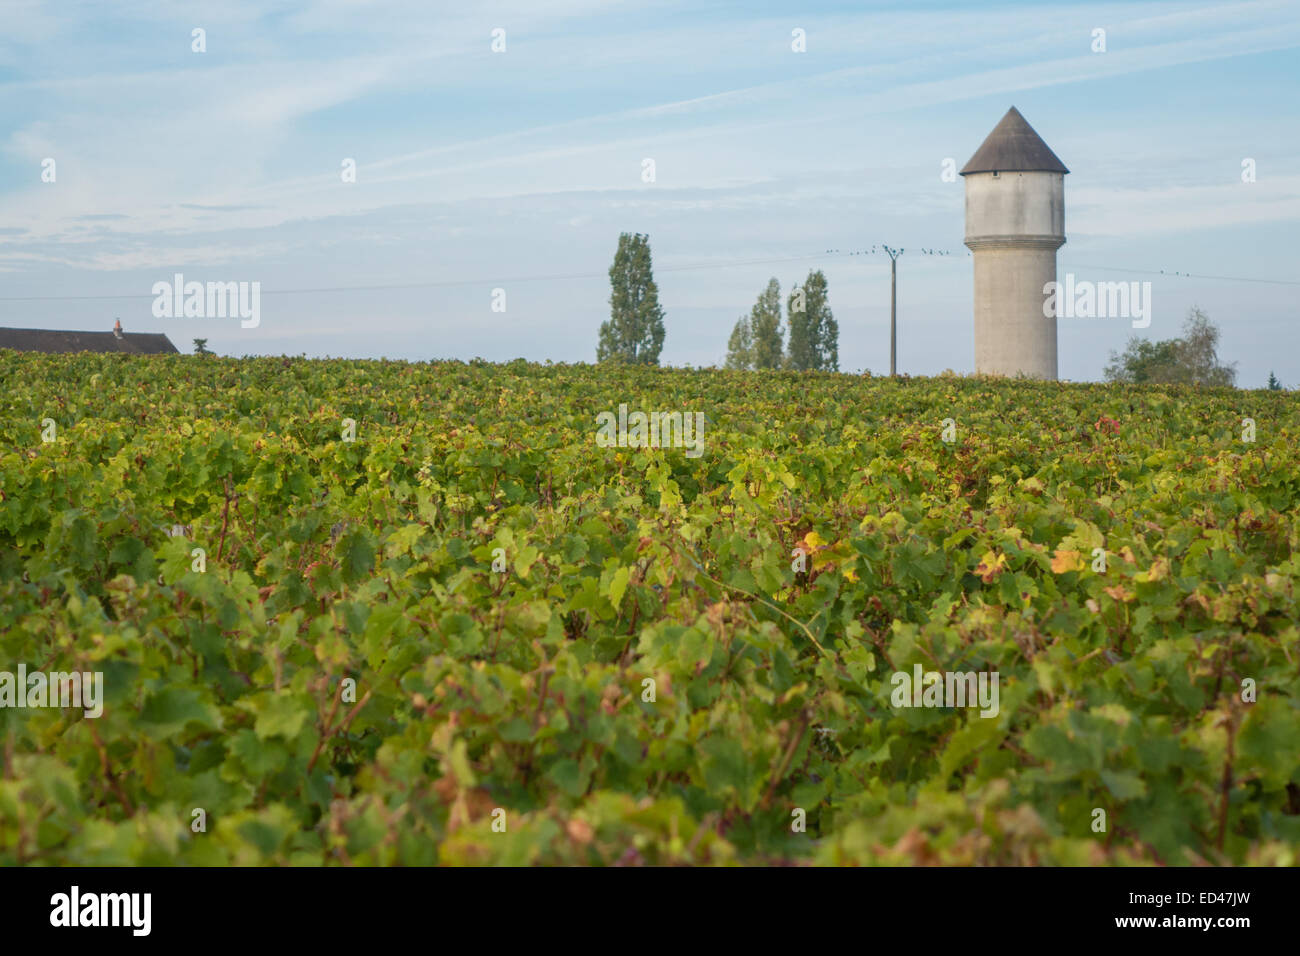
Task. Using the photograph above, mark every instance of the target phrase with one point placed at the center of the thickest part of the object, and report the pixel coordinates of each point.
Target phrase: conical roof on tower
(1013, 147)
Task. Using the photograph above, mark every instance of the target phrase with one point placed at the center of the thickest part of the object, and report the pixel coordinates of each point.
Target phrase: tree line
(634, 333)
(756, 339)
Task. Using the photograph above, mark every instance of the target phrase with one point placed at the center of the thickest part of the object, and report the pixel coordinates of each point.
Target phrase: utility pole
(893, 308)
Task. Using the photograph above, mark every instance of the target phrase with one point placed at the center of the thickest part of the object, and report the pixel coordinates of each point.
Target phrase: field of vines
(388, 613)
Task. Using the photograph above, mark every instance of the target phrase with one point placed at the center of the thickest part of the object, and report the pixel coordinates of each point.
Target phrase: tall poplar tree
(765, 327)
(814, 333)
(799, 351)
(826, 331)
(740, 347)
(635, 330)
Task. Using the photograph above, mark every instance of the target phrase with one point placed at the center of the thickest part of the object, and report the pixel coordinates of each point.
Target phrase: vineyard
(374, 613)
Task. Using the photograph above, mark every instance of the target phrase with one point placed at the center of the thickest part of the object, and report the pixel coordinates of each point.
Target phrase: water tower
(1015, 222)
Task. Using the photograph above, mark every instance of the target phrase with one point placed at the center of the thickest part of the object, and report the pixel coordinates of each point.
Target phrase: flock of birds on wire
(895, 253)
(885, 249)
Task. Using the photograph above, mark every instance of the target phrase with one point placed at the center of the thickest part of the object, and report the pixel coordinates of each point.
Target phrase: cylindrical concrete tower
(1015, 222)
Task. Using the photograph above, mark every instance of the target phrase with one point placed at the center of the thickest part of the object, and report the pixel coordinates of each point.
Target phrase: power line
(934, 253)
(1189, 275)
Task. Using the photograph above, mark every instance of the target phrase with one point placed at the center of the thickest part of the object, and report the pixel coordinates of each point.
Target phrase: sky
(517, 169)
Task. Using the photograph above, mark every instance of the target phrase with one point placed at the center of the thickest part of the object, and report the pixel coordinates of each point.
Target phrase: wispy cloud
(469, 160)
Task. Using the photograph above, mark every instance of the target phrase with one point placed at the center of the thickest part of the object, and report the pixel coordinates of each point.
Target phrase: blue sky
(478, 170)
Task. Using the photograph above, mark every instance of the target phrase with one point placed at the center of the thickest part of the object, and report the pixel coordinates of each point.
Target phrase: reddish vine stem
(325, 730)
(1225, 786)
(330, 731)
(108, 772)
(225, 518)
(795, 740)
(347, 721)
(541, 699)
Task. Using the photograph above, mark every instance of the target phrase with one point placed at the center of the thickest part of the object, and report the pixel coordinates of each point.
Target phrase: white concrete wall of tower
(1015, 204)
(1015, 222)
(1012, 336)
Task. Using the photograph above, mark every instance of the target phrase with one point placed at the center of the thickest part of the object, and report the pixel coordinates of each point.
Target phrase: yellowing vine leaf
(1066, 561)
(990, 566)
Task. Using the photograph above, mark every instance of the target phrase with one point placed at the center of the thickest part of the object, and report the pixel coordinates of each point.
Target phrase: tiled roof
(52, 340)
(1013, 147)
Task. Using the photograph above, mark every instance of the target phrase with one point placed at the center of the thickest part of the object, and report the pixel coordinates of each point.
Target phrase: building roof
(1013, 147)
(51, 340)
